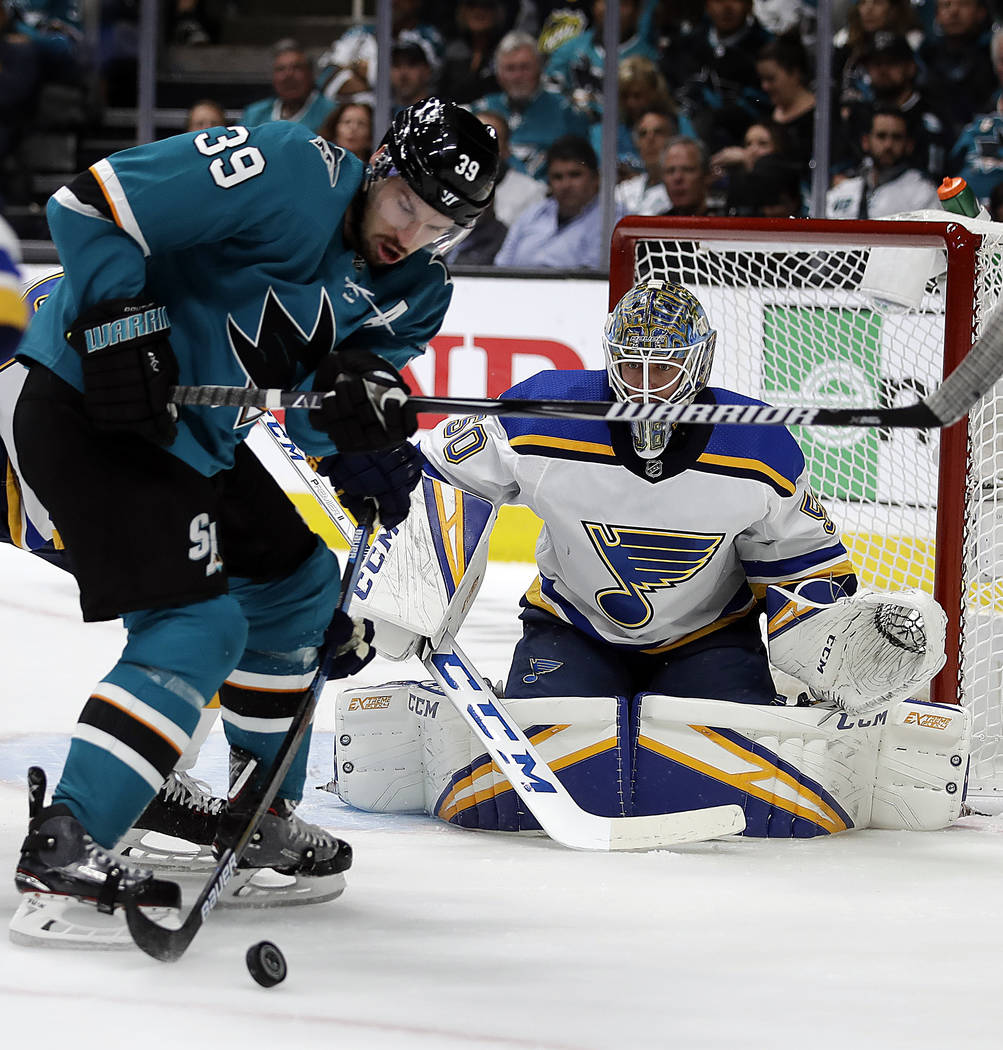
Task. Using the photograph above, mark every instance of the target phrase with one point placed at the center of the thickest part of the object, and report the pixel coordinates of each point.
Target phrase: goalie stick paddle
(949, 402)
(518, 760)
(169, 944)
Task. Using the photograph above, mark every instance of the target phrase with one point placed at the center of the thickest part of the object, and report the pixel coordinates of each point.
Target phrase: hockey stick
(972, 379)
(169, 944)
(519, 761)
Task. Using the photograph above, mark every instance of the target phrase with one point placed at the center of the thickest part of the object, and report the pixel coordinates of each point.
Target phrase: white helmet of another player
(659, 346)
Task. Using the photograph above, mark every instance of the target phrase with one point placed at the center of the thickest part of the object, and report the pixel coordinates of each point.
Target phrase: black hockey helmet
(447, 156)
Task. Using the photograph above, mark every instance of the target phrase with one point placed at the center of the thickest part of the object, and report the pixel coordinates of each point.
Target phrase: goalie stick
(169, 944)
(948, 403)
(520, 763)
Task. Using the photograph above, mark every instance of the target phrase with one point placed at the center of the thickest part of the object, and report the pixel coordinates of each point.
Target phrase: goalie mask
(659, 346)
(448, 158)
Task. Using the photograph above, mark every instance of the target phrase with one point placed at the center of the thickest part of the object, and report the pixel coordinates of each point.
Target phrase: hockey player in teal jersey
(261, 256)
(658, 545)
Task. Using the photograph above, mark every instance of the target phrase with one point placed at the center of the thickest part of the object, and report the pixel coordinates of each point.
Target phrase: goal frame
(961, 246)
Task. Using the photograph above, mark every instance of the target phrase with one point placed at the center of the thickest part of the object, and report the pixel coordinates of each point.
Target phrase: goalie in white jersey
(658, 543)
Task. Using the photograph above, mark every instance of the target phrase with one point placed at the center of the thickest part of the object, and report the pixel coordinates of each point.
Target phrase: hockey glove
(387, 478)
(365, 402)
(350, 640)
(129, 367)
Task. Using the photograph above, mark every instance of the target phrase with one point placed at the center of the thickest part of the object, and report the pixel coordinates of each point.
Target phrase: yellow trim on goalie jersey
(806, 803)
(535, 597)
(756, 466)
(703, 631)
(15, 520)
(548, 441)
(451, 805)
(451, 531)
(13, 312)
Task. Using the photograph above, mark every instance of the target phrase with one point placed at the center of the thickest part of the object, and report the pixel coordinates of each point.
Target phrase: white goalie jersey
(651, 554)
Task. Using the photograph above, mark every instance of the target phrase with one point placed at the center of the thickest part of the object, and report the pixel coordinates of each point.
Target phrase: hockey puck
(266, 964)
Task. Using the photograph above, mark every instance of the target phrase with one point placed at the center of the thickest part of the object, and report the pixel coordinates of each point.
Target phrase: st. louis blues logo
(538, 667)
(642, 561)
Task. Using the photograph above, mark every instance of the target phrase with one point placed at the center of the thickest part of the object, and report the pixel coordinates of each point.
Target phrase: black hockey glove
(129, 367)
(350, 639)
(365, 407)
(387, 478)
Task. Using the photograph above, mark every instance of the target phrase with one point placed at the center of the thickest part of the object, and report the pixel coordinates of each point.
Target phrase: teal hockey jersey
(239, 233)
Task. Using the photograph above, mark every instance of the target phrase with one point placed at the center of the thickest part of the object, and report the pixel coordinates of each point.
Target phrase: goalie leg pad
(796, 772)
(403, 748)
(922, 766)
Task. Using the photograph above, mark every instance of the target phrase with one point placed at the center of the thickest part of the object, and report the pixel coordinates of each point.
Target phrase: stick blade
(162, 943)
(673, 829)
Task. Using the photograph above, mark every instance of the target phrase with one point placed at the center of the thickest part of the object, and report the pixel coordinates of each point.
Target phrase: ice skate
(73, 890)
(287, 861)
(176, 830)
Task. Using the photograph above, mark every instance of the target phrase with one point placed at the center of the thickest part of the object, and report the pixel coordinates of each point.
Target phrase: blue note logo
(538, 667)
(642, 561)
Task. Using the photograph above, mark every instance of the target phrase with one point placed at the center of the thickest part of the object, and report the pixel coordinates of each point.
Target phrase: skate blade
(267, 888)
(153, 849)
(51, 921)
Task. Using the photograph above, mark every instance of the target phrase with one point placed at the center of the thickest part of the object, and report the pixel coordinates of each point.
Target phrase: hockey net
(804, 314)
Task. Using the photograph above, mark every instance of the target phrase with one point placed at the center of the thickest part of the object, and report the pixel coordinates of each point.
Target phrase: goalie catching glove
(387, 478)
(365, 402)
(128, 366)
(860, 652)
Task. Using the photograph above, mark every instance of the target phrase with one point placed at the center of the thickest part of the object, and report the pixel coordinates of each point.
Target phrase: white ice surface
(448, 938)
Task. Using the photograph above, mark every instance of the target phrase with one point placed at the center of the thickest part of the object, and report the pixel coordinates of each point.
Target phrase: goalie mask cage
(804, 316)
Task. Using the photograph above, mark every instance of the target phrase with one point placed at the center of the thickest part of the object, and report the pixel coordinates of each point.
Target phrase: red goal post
(805, 315)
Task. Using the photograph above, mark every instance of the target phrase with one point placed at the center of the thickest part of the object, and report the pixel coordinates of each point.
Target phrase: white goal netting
(804, 317)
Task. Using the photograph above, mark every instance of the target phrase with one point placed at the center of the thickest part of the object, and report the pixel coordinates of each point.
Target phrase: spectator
(956, 61)
(468, 63)
(853, 42)
(481, 245)
(770, 189)
(206, 113)
(348, 68)
(785, 75)
(295, 99)
(641, 87)
(712, 69)
(191, 23)
(575, 69)
(892, 70)
(996, 202)
(515, 191)
(731, 166)
(350, 126)
(686, 174)
(414, 66)
(886, 184)
(55, 30)
(978, 154)
(536, 117)
(565, 230)
(645, 194)
(19, 81)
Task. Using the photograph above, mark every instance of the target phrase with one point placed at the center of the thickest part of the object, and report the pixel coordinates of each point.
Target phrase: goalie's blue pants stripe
(554, 659)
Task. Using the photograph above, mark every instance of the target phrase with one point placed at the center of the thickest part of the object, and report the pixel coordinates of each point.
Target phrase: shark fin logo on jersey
(332, 158)
(645, 560)
(538, 667)
(280, 352)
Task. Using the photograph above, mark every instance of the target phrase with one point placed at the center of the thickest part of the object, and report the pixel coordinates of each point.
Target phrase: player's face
(651, 381)
(397, 222)
(518, 73)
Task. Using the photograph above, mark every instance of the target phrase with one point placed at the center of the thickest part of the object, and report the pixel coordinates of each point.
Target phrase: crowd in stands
(716, 115)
